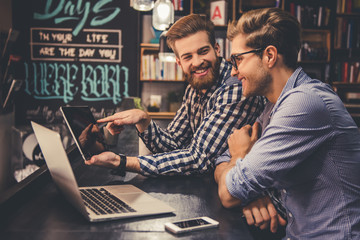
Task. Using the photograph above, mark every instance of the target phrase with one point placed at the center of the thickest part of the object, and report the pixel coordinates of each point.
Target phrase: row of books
(347, 33)
(347, 6)
(311, 16)
(347, 72)
(154, 69)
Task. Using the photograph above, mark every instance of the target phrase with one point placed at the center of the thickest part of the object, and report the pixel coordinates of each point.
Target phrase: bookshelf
(316, 19)
(346, 55)
(151, 69)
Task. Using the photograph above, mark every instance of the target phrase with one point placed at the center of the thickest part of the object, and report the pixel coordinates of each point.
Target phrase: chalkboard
(74, 52)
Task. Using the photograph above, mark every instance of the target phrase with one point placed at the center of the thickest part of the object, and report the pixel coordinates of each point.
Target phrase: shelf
(162, 115)
(149, 45)
(316, 30)
(352, 105)
(347, 53)
(245, 5)
(347, 14)
(314, 62)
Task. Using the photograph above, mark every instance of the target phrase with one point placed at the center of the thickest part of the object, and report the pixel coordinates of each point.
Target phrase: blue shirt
(310, 151)
(199, 131)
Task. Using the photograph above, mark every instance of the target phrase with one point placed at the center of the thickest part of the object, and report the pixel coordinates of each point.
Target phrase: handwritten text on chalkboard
(92, 45)
(78, 11)
(57, 81)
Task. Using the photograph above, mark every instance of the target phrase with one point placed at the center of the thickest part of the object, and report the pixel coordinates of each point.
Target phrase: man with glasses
(309, 147)
(213, 105)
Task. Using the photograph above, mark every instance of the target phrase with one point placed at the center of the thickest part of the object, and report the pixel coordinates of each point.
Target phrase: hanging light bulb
(163, 14)
(143, 5)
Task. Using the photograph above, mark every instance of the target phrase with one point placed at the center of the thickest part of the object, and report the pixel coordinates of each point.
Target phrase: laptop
(98, 203)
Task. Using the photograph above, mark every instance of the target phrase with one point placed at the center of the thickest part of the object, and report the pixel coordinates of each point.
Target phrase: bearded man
(212, 107)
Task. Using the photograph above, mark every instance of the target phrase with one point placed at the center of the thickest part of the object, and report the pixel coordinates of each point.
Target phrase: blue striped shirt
(310, 151)
(199, 131)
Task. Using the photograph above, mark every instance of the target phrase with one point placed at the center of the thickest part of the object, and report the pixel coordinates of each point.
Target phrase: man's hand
(91, 139)
(86, 138)
(262, 213)
(135, 117)
(242, 140)
(104, 159)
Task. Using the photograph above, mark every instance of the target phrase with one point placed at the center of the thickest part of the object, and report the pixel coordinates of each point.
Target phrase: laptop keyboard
(102, 202)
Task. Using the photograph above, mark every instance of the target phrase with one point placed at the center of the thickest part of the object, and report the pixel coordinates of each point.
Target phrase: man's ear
(270, 55)
(217, 49)
(178, 61)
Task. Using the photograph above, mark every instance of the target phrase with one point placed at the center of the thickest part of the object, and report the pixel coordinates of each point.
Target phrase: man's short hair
(270, 26)
(189, 25)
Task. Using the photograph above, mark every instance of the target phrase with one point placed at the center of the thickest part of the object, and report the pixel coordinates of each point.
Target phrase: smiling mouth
(200, 72)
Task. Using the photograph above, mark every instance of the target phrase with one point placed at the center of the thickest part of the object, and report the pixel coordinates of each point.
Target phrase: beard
(206, 82)
(260, 84)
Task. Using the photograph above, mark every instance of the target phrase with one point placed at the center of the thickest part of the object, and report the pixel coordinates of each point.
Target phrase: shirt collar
(291, 83)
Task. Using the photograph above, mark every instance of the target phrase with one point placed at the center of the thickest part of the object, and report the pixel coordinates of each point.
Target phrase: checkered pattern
(198, 134)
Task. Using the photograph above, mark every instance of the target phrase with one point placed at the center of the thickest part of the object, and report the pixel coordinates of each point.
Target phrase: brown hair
(187, 26)
(270, 26)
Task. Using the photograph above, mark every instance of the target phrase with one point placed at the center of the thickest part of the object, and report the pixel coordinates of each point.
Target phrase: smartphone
(192, 224)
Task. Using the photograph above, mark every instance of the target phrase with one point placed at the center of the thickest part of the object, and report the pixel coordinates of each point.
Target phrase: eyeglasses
(235, 61)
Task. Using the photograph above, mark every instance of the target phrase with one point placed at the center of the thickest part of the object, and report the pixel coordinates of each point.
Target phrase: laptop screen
(85, 131)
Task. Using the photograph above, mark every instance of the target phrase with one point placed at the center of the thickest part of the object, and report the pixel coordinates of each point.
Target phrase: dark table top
(42, 212)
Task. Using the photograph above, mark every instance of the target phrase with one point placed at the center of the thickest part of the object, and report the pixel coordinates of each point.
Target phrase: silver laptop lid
(59, 166)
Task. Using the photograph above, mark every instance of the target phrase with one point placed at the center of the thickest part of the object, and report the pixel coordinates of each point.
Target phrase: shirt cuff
(225, 157)
(148, 166)
(145, 134)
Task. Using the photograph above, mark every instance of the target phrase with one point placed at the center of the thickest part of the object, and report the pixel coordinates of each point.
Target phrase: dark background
(39, 77)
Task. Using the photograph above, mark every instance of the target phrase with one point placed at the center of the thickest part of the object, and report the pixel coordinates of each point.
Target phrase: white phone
(192, 224)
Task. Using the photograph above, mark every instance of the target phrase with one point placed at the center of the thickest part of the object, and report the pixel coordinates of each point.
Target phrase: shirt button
(284, 191)
(290, 215)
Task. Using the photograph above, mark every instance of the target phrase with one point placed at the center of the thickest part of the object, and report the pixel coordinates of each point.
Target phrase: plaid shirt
(198, 133)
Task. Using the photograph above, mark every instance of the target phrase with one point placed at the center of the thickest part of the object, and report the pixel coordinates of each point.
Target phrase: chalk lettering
(86, 52)
(47, 51)
(45, 80)
(97, 38)
(67, 52)
(98, 81)
(62, 37)
(108, 53)
(78, 10)
(44, 36)
(51, 81)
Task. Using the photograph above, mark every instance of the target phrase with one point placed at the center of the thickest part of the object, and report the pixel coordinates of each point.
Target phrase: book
(344, 77)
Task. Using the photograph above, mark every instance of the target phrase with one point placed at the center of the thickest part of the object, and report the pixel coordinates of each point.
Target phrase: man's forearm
(226, 198)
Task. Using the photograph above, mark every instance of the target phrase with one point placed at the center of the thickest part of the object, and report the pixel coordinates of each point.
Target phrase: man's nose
(234, 72)
(197, 60)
